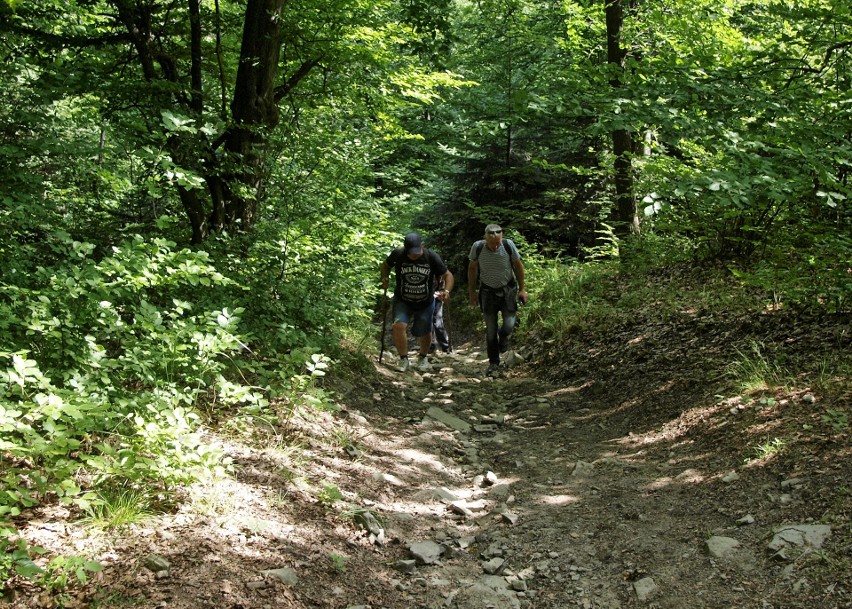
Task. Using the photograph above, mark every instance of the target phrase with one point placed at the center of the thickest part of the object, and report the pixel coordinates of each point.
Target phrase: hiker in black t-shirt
(417, 270)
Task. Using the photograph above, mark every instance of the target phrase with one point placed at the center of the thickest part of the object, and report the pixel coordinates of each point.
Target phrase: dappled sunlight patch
(765, 428)
(220, 498)
(690, 458)
(567, 390)
(432, 499)
(657, 484)
(558, 500)
(688, 476)
(55, 535)
(665, 387)
(630, 460)
(679, 427)
(617, 461)
(397, 458)
(413, 462)
(393, 460)
(691, 476)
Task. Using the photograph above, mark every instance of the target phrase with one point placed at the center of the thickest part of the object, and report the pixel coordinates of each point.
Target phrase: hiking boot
(423, 364)
(403, 364)
(493, 370)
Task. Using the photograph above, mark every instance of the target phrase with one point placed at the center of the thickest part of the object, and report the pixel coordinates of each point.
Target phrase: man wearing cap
(495, 264)
(417, 270)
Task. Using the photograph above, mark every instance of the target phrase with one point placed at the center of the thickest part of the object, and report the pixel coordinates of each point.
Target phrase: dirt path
(449, 489)
(573, 507)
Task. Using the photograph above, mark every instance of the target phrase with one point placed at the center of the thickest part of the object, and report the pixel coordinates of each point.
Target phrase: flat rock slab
(722, 547)
(480, 595)
(813, 535)
(285, 575)
(644, 588)
(426, 552)
(447, 419)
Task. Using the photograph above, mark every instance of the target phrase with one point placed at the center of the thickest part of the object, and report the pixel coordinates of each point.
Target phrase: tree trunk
(194, 208)
(624, 216)
(197, 95)
(254, 111)
(235, 179)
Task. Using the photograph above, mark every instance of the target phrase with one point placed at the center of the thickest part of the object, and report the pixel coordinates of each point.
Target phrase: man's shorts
(422, 318)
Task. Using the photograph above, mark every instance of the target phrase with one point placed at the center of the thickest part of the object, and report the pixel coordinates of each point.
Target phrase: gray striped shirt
(495, 269)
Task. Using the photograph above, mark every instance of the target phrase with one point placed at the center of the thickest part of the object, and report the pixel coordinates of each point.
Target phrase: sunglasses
(495, 232)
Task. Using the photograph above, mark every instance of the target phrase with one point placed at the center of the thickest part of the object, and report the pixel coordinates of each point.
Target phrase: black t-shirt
(415, 279)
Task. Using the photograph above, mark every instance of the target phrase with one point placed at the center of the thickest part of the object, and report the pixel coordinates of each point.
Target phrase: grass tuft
(117, 508)
(754, 371)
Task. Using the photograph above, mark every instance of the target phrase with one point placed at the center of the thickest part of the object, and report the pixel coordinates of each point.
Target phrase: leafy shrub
(101, 364)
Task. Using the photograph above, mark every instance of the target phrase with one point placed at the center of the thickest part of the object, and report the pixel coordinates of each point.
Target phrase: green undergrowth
(114, 370)
(601, 295)
(598, 298)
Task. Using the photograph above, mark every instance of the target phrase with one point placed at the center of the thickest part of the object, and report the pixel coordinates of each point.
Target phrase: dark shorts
(422, 317)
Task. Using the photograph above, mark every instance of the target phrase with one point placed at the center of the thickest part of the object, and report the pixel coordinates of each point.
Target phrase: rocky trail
(452, 489)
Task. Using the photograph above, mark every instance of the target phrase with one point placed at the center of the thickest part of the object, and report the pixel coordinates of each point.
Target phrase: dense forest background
(195, 195)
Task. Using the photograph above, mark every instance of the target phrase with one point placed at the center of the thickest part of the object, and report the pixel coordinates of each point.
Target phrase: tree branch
(283, 90)
(62, 41)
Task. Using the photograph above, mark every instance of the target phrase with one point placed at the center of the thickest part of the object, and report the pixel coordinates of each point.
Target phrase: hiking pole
(384, 323)
(446, 325)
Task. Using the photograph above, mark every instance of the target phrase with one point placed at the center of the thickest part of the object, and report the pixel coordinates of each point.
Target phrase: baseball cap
(413, 244)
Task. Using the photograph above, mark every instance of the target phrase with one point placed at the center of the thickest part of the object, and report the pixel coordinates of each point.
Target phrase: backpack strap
(480, 245)
(509, 251)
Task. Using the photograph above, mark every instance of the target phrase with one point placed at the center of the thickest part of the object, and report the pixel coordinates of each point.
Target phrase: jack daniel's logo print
(415, 282)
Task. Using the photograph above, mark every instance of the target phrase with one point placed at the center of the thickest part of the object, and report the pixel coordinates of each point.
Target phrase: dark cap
(413, 244)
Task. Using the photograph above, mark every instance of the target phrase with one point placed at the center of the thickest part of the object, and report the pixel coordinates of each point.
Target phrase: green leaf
(27, 568)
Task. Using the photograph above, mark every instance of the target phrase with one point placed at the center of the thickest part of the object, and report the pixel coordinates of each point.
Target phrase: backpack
(481, 244)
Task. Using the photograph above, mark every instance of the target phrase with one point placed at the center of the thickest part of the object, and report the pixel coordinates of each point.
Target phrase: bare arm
(385, 271)
(521, 277)
(448, 281)
(472, 271)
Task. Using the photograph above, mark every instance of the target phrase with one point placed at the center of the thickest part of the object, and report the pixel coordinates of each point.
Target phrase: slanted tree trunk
(624, 216)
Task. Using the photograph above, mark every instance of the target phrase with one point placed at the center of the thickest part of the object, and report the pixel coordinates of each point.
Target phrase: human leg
(490, 310)
(440, 338)
(436, 320)
(422, 330)
(401, 317)
(425, 343)
(506, 329)
(400, 338)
